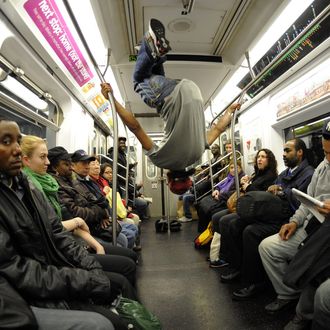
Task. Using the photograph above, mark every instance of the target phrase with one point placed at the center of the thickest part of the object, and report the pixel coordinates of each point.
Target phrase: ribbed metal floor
(176, 284)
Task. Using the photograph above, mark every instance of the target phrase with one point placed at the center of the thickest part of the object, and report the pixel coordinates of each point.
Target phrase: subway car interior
(272, 57)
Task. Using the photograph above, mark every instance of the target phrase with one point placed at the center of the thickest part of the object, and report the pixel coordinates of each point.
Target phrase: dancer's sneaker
(156, 40)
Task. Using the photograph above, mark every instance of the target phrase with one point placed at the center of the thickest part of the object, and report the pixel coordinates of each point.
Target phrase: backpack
(264, 207)
(204, 239)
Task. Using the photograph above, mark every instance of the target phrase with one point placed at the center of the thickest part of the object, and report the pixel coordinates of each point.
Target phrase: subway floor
(175, 283)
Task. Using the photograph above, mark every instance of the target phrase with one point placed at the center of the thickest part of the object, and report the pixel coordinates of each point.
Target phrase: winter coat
(38, 257)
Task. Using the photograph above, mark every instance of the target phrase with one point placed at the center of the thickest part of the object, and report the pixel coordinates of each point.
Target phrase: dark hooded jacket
(38, 257)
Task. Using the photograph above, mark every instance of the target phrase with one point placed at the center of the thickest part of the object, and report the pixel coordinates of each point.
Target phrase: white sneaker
(184, 219)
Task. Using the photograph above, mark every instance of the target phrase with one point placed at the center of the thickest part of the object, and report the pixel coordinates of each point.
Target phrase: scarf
(48, 185)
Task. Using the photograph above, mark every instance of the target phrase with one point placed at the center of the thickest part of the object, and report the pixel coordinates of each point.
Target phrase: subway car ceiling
(217, 33)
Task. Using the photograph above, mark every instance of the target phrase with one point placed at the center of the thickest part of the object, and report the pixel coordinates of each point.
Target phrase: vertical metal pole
(234, 152)
(127, 165)
(210, 170)
(232, 127)
(114, 170)
(209, 160)
(168, 209)
(162, 191)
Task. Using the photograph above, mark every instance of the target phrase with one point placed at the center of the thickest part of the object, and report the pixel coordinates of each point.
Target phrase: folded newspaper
(309, 202)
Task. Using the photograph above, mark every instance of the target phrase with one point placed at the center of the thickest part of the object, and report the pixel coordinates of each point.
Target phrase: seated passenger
(94, 174)
(179, 104)
(42, 261)
(203, 184)
(35, 160)
(265, 172)
(188, 199)
(80, 165)
(210, 205)
(277, 250)
(137, 202)
(60, 169)
(321, 306)
(16, 314)
(247, 238)
(104, 185)
(77, 200)
(225, 162)
(123, 216)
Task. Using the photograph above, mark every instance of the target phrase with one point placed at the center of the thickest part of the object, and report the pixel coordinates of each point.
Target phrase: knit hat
(56, 154)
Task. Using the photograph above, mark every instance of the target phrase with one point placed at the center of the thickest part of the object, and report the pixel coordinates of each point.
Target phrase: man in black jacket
(41, 260)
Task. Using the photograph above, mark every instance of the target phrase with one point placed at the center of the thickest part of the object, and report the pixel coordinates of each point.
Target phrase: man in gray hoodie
(277, 250)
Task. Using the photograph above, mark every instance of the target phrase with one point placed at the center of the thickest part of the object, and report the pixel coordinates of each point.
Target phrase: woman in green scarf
(35, 161)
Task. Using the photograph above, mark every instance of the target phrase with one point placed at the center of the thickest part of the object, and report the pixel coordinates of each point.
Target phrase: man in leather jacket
(38, 258)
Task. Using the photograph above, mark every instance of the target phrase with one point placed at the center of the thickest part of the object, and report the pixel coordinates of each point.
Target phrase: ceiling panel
(190, 33)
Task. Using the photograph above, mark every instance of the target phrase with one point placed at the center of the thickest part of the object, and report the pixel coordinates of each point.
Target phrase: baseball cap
(179, 185)
(121, 138)
(80, 156)
(56, 154)
(326, 130)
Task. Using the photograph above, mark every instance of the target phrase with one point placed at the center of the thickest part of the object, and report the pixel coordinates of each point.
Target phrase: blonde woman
(36, 162)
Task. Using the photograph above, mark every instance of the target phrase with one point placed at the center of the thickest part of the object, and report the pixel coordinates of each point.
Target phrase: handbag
(204, 239)
(232, 202)
(136, 314)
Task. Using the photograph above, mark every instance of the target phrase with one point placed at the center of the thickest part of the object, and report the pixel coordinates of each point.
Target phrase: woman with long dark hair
(265, 173)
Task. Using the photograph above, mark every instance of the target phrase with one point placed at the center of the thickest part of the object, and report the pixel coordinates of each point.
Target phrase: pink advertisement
(47, 17)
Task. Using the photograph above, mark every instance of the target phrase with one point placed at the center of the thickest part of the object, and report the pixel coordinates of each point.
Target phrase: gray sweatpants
(53, 319)
(322, 306)
(314, 304)
(275, 255)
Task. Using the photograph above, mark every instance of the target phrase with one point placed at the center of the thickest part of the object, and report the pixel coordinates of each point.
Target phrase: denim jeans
(187, 199)
(130, 231)
(149, 78)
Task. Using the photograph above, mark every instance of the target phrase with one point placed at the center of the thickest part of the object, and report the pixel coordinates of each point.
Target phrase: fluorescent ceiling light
(286, 18)
(24, 93)
(84, 15)
(290, 13)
